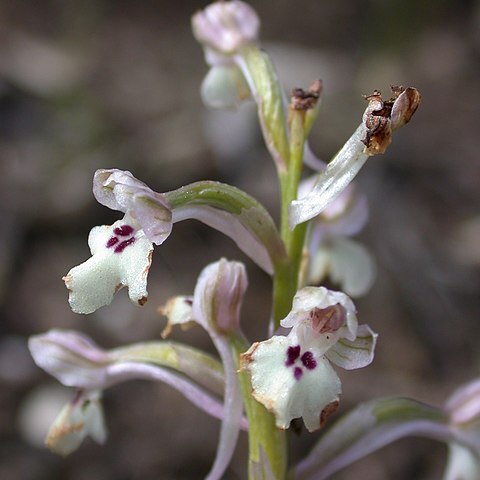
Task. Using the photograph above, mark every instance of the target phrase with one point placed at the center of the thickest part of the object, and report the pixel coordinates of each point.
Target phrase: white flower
(80, 418)
(121, 191)
(224, 86)
(291, 376)
(76, 361)
(331, 253)
(122, 252)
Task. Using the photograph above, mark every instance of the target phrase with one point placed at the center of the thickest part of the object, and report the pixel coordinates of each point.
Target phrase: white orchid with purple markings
(257, 385)
(292, 375)
(122, 252)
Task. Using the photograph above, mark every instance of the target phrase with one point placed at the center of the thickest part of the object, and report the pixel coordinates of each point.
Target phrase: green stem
(286, 147)
(263, 434)
(286, 278)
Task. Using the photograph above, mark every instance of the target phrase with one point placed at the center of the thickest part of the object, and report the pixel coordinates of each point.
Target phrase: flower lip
(123, 261)
(292, 354)
(299, 362)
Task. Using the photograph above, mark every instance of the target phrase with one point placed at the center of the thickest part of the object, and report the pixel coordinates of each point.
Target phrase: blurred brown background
(99, 84)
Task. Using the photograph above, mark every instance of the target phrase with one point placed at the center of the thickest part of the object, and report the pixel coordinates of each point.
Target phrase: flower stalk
(301, 113)
(263, 435)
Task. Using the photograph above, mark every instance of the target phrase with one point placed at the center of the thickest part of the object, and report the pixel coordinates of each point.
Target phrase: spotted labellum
(291, 375)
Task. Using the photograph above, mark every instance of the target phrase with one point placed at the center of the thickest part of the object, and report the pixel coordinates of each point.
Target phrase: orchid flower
(291, 375)
(330, 250)
(80, 418)
(76, 361)
(224, 28)
(122, 252)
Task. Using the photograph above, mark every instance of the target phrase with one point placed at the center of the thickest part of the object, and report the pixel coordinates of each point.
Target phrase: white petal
(94, 283)
(114, 188)
(219, 295)
(357, 353)
(224, 87)
(348, 264)
(80, 418)
(463, 463)
(276, 387)
(120, 190)
(153, 214)
(319, 265)
(331, 183)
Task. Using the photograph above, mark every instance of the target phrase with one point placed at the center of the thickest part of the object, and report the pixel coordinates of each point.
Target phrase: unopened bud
(219, 294)
(226, 26)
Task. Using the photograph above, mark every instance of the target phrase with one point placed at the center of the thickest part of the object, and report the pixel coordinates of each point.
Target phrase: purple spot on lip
(112, 241)
(122, 245)
(297, 373)
(308, 360)
(123, 231)
(292, 354)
